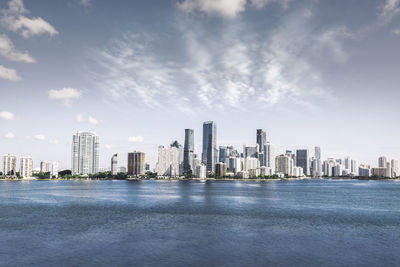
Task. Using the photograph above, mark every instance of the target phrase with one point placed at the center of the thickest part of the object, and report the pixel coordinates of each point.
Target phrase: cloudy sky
(138, 73)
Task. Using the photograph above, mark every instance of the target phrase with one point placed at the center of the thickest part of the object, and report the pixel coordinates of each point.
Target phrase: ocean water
(192, 223)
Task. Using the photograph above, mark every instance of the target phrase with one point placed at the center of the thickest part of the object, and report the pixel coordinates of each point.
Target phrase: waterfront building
(388, 169)
(269, 155)
(250, 151)
(317, 152)
(363, 172)
(122, 169)
(201, 171)
(9, 165)
(54, 170)
(395, 167)
(136, 163)
(298, 172)
(338, 170)
(266, 171)
(316, 168)
(379, 172)
(235, 164)
(243, 174)
(188, 152)
(114, 164)
(282, 164)
(303, 160)
(251, 163)
(328, 167)
(261, 139)
(85, 153)
(210, 154)
(26, 167)
(220, 169)
(222, 154)
(382, 162)
(168, 161)
(254, 173)
(43, 166)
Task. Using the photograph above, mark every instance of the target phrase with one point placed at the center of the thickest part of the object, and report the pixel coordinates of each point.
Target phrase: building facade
(85, 153)
(114, 164)
(303, 160)
(210, 154)
(136, 163)
(188, 152)
(9, 165)
(26, 167)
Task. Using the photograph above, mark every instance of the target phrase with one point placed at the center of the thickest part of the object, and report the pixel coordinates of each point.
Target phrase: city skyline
(158, 67)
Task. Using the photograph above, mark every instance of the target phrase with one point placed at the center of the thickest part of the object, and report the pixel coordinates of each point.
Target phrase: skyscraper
(209, 156)
(9, 165)
(54, 169)
(26, 167)
(168, 161)
(395, 168)
(85, 153)
(269, 155)
(188, 151)
(382, 162)
(114, 164)
(317, 152)
(136, 163)
(250, 151)
(282, 164)
(261, 139)
(303, 160)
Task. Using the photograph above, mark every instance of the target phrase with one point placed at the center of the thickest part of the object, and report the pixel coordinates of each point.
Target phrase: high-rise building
(395, 168)
(388, 169)
(136, 163)
(317, 152)
(282, 164)
(250, 151)
(114, 164)
(222, 154)
(188, 152)
(26, 167)
(54, 170)
(261, 139)
(180, 148)
(201, 171)
(168, 161)
(209, 155)
(303, 160)
(316, 168)
(9, 165)
(85, 153)
(43, 166)
(363, 172)
(379, 172)
(382, 162)
(269, 155)
(220, 169)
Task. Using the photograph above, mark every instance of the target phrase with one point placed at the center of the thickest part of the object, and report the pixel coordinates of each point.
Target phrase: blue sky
(312, 73)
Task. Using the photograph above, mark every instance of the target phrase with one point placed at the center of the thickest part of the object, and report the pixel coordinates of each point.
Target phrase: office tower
(338, 170)
(251, 163)
(136, 163)
(282, 164)
(266, 171)
(317, 152)
(180, 149)
(85, 153)
(316, 168)
(363, 172)
(395, 167)
(188, 152)
(201, 171)
(222, 154)
(26, 167)
(269, 155)
(220, 169)
(388, 169)
(382, 162)
(378, 172)
(9, 165)
(168, 161)
(261, 139)
(303, 160)
(43, 166)
(114, 164)
(209, 155)
(54, 170)
(328, 167)
(347, 163)
(250, 151)
(298, 172)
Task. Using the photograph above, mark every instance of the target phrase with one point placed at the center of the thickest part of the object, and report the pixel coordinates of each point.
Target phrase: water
(231, 223)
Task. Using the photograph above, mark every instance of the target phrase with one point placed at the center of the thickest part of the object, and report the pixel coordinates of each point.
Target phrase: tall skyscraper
(9, 165)
(250, 151)
(209, 156)
(222, 154)
(168, 161)
(136, 163)
(114, 164)
(382, 162)
(269, 155)
(85, 153)
(395, 168)
(54, 169)
(303, 160)
(261, 139)
(26, 167)
(282, 164)
(188, 151)
(317, 152)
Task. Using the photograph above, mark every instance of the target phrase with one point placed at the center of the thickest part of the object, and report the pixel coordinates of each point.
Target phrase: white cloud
(8, 51)
(262, 3)
(53, 141)
(135, 139)
(13, 18)
(85, 3)
(65, 95)
(9, 74)
(396, 32)
(93, 121)
(9, 135)
(40, 137)
(389, 9)
(226, 8)
(5, 115)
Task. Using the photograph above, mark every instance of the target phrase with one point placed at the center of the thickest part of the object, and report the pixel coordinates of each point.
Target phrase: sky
(311, 73)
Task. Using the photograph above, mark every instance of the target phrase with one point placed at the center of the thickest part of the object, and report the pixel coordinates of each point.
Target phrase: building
(338, 170)
(378, 172)
(251, 164)
(395, 168)
(114, 164)
(136, 163)
(209, 155)
(266, 171)
(168, 161)
(303, 160)
(250, 151)
(222, 154)
(220, 169)
(9, 165)
(188, 152)
(269, 155)
(298, 172)
(85, 153)
(261, 139)
(328, 167)
(26, 167)
(388, 169)
(122, 169)
(382, 162)
(201, 171)
(282, 164)
(317, 152)
(363, 172)
(316, 168)
(54, 169)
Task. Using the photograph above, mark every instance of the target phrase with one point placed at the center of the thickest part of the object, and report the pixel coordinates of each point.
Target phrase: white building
(85, 153)
(298, 172)
(251, 163)
(316, 168)
(269, 155)
(9, 165)
(395, 168)
(26, 167)
(54, 169)
(266, 171)
(114, 164)
(201, 171)
(250, 151)
(168, 161)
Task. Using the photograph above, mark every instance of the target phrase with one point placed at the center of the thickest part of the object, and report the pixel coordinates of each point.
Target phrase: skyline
(307, 72)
